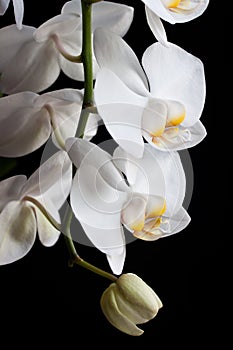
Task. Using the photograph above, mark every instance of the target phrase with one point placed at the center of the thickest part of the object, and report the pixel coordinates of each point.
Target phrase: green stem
(82, 123)
(87, 54)
(74, 257)
(43, 211)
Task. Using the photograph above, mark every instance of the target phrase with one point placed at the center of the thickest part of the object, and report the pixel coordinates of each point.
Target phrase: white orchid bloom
(18, 10)
(166, 111)
(172, 11)
(21, 202)
(149, 207)
(40, 52)
(112, 16)
(27, 120)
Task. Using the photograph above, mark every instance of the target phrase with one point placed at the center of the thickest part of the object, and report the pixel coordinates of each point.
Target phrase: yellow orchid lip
(173, 3)
(158, 211)
(176, 120)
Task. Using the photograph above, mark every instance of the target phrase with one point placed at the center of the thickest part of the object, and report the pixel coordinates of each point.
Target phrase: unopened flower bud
(128, 302)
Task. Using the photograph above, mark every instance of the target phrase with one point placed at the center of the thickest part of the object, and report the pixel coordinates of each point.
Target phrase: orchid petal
(154, 117)
(32, 72)
(60, 25)
(52, 180)
(24, 128)
(73, 7)
(114, 17)
(65, 106)
(121, 110)
(177, 223)
(122, 60)
(19, 11)
(18, 232)
(92, 197)
(48, 235)
(11, 41)
(91, 126)
(160, 10)
(173, 174)
(83, 152)
(145, 175)
(4, 6)
(10, 189)
(156, 26)
(116, 262)
(176, 75)
(133, 213)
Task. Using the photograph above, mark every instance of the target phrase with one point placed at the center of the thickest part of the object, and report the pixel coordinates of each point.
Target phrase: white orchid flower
(18, 10)
(166, 111)
(172, 11)
(112, 16)
(27, 120)
(40, 52)
(21, 202)
(149, 207)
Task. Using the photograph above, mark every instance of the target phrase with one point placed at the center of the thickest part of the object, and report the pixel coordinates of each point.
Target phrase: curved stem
(74, 257)
(63, 52)
(44, 211)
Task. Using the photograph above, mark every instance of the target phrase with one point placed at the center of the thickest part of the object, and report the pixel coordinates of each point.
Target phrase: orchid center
(162, 120)
(144, 216)
(181, 6)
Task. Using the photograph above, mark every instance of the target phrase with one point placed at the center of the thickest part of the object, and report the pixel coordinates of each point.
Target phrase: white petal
(121, 110)
(116, 262)
(160, 10)
(133, 213)
(19, 11)
(156, 26)
(154, 117)
(177, 223)
(37, 68)
(62, 25)
(83, 152)
(91, 126)
(11, 41)
(72, 7)
(98, 208)
(156, 206)
(3, 6)
(65, 106)
(145, 175)
(48, 235)
(23, 127)
(52, 180)
(10, 189)
(174, 74)
(112, 52)
(114, 17)
(17, 232)
(173, 174)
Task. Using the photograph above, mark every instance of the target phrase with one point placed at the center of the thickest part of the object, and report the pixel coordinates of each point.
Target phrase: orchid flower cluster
(151, 110)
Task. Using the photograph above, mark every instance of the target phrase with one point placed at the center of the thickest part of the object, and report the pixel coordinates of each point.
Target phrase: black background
(42, 297)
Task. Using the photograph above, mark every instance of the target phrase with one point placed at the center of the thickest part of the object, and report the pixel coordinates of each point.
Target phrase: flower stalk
(74, 257)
